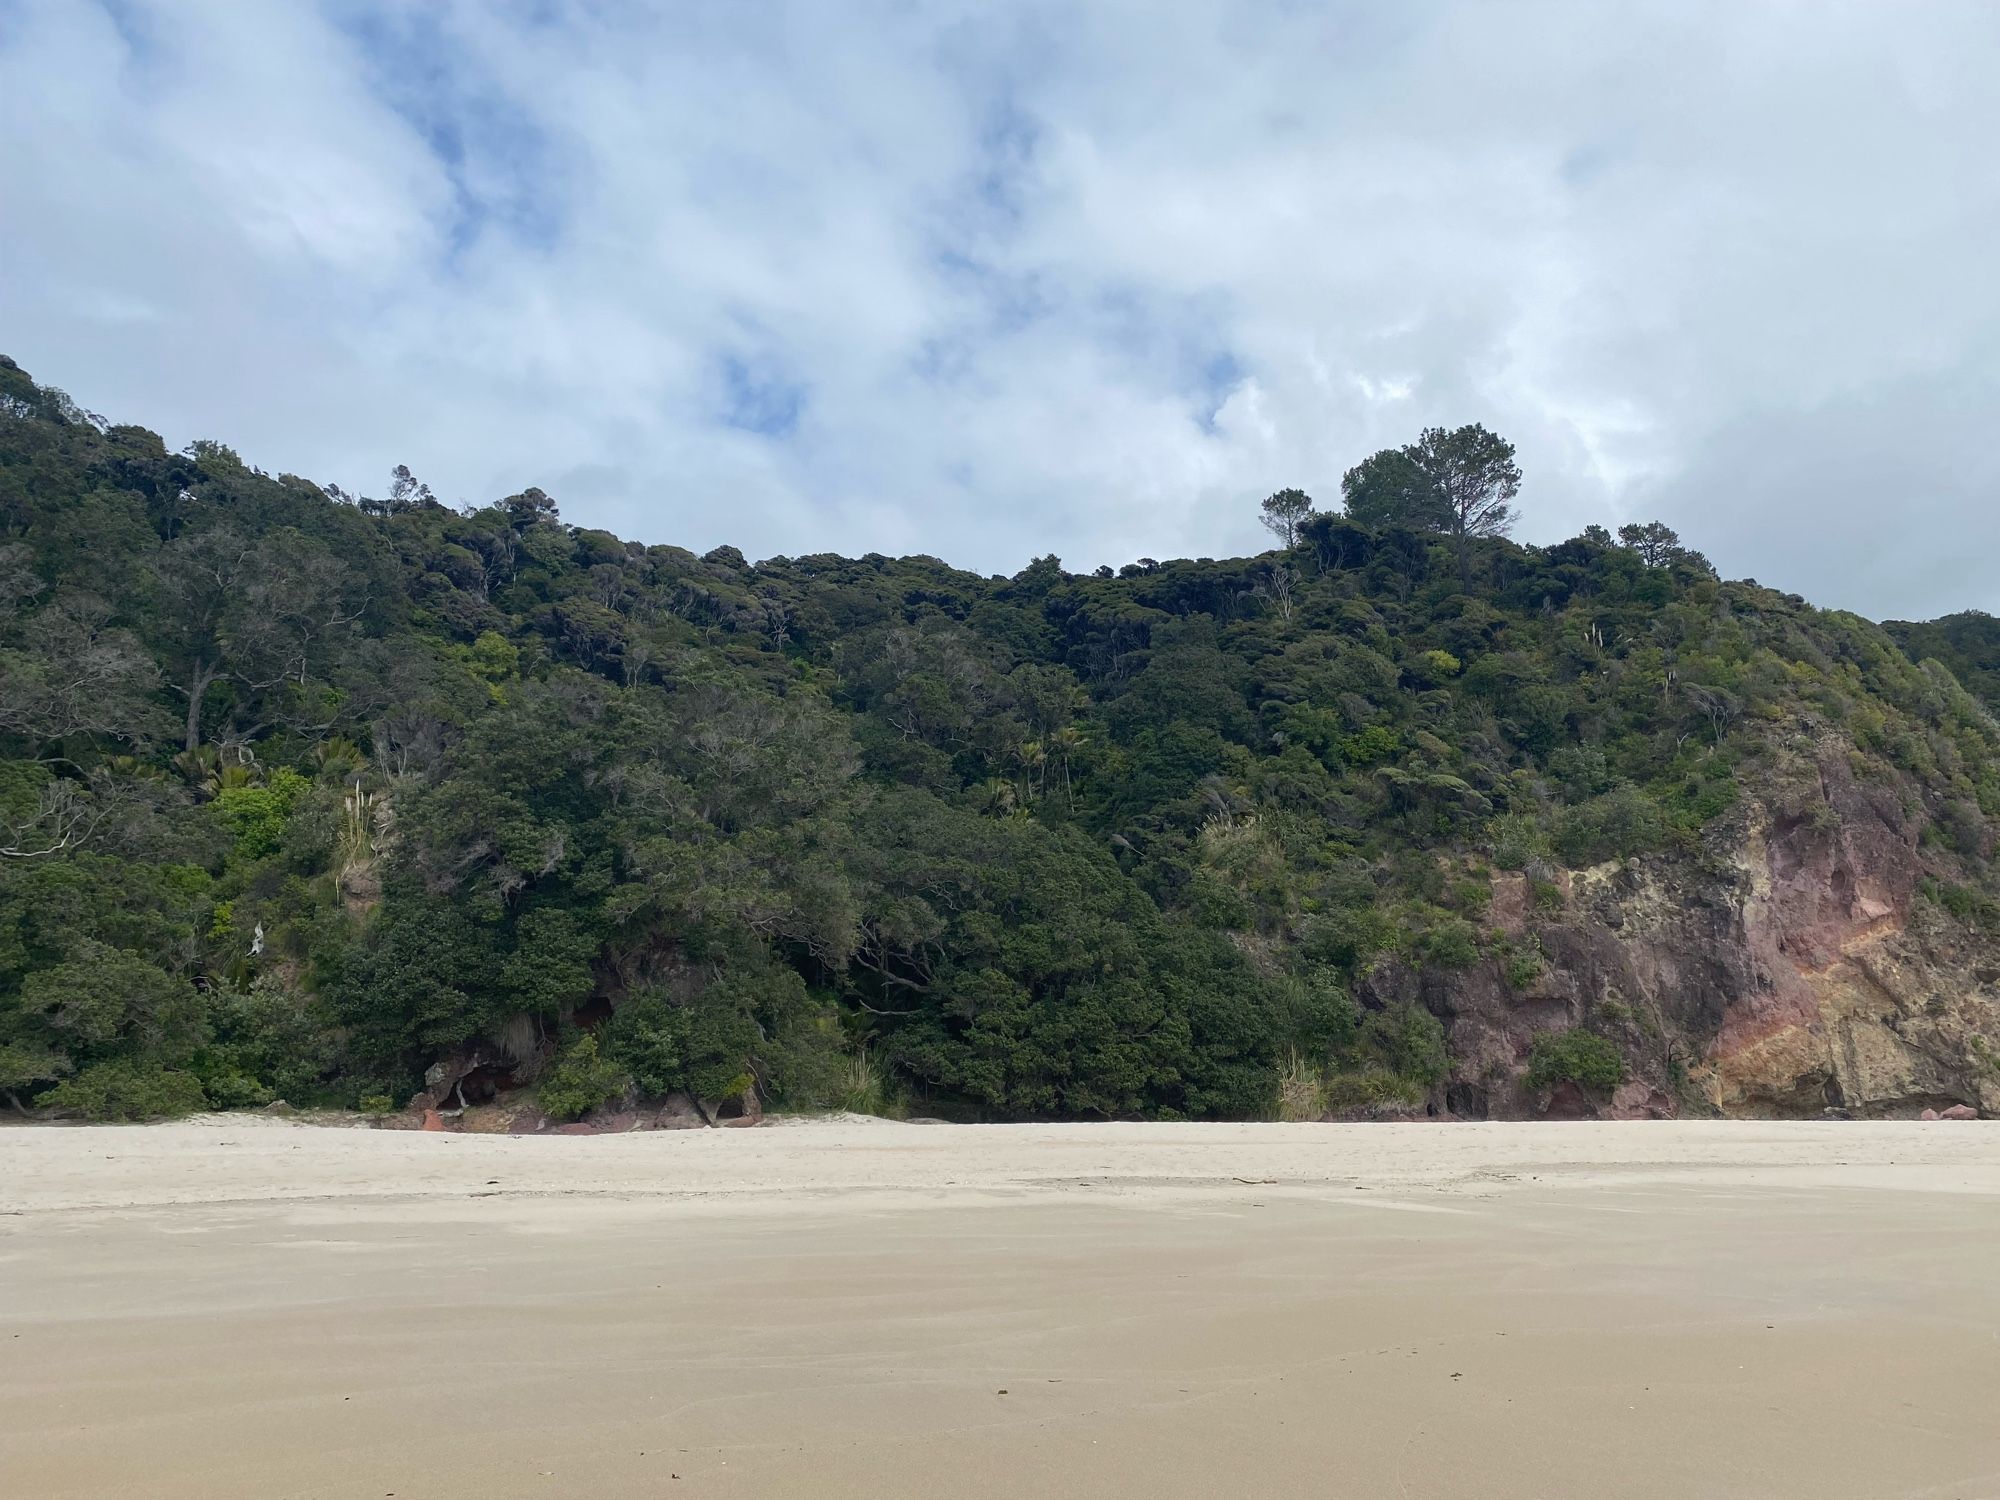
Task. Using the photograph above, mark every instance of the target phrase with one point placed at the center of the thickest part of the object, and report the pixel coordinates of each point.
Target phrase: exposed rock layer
(1790, 967)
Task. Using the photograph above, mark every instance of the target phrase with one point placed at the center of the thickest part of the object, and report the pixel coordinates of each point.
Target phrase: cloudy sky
(987, 280)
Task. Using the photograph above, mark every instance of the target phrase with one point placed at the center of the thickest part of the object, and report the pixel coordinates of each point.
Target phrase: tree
(1390, 489)
(76, 677)
(1284, 512)
(202, 577)
(1656, 543)
(63, 817)
(1459, 482)
(1473, 472)
(529, 509)
(406, 491)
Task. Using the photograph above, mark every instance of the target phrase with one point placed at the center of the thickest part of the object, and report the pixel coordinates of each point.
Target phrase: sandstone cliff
(1796, 962)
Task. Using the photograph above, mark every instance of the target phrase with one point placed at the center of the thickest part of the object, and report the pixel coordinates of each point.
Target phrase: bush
(1443, 941)
(256, 816)
(1371, 1091)
(1301, 1092)
(702, 1048)
(1578, 1057)
(128, 1090)
(1621, 824)
(1411, 1041)
(805, 1066)
(580, 1081)
(1518, 839)
(1524, 967)
(1315, 1014)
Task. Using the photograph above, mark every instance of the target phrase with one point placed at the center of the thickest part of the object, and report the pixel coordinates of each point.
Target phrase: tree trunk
(199, 682)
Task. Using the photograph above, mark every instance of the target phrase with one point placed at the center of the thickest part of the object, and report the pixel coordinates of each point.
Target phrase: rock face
(1789, 967)
(678, 1112)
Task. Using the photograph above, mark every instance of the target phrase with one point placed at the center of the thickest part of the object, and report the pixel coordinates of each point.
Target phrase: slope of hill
(305, 796)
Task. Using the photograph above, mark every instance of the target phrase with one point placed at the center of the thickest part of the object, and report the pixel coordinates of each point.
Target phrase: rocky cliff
(1798, 962)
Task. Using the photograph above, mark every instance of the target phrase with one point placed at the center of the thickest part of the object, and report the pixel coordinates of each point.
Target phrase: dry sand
(254, 1308)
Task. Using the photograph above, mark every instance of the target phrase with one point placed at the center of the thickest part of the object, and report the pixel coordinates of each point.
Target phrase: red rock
(1568, 1102)
(433, 1120)
(1960, 1112)
(1635, 1100)
(1929, 1114)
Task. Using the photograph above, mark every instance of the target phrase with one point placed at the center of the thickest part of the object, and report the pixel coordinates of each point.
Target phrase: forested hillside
(304, 794)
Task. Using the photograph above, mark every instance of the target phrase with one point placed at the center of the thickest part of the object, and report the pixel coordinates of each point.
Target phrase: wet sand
(251, 1308)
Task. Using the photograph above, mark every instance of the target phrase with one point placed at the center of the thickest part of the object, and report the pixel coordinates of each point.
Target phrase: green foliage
(299, 791)
(1620, 824)
(1391, 489)
(580, 1080)
(1524, 967)
(1372, 1090)
(1579, 1057)
(127, 1089)
(703, 1048)
(1410, 1042)
(1517, 840)
(1284, 513)
(257, 816)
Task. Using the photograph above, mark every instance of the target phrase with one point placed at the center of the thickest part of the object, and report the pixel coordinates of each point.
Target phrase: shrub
(256, 816)
(1411, 1041)
(805, 1065)
(1371, 1091)
(125, 1089)
(1517, 839)
(580, 1081)
(702, 1047)
(1524, 967)
(1446, 942)
(1578, 1057)
(1301, 1091)
(1620, 824)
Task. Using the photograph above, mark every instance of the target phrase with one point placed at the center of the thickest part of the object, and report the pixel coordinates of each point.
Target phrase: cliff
(1801, 963)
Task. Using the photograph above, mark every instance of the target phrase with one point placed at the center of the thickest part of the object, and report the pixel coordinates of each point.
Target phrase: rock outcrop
(1790, 966)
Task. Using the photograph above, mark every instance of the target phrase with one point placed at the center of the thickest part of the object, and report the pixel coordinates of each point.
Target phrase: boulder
(734, 1109)
(678, 1112)
(466, 1075)
(745, 1109)
(1929, 1114)
(1959, 1112)
(529, 1121)
(1638, 1100)
(619, 1121)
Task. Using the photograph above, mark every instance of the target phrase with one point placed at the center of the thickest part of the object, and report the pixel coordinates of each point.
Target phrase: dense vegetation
(299, 792)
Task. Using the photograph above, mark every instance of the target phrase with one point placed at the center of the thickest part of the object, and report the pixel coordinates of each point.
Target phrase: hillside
(306, 796)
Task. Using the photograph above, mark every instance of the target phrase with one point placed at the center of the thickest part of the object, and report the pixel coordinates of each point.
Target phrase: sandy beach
(257, 1308)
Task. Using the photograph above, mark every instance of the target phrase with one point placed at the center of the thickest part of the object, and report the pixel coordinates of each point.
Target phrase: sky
(988, 280)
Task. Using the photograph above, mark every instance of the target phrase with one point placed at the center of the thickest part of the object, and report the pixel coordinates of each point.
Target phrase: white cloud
(992, 281)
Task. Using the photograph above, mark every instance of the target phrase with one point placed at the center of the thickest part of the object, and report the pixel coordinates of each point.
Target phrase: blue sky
(990, 280)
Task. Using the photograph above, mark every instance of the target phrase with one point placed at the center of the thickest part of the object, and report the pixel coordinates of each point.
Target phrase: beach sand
(249, 1307)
